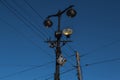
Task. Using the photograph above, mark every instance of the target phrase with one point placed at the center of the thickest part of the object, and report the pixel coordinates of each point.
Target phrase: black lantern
(48, 23)
(71, 13)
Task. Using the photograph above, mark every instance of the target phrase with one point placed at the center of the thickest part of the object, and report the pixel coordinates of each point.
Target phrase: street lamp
(67, 32)
(71, 13)
(58, 43)
(48, 23)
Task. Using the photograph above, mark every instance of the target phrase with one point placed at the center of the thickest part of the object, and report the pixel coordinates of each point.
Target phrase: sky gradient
(96, 34)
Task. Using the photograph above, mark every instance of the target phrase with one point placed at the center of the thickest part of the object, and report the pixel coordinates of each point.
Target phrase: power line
(25, 37)
(16, 65)
(43, 76)
(25, 70)
(39, 30)
(101, 47)
(103, 61)
(20, 18)
(94, 50)
(36, 13)
(33, 66)
(86, 65)
(44, 32)
(100, 62)
(13, 10)
(33, 9)
(73, 50)
(70, 59)
(62, 73)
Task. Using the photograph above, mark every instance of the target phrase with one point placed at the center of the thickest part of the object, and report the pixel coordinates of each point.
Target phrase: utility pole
(59, 42)
(79, 72)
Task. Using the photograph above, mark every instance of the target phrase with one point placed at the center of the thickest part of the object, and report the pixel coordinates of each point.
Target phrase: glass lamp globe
(71, 13)
(67, 32)
(48, 23)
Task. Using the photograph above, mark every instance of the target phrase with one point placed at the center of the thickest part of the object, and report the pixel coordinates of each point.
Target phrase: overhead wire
(39, 16)
(33, 9)
(16, 12)
(17, 65)
(86, 65)
(71, 49)
(52, 74)
(36, 13)
(24, 36)
(64, 72)
(21, 19)
(95, 63)
(74, 51)
(103, 61)
(25, 70)
(101, 47)
(44, 31)
(71, 60)
(37, 78)
(94, 50)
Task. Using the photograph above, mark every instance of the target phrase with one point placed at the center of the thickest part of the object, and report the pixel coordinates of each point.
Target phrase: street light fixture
(48, 23)
(67, 32)
(60, 60)
(71, 13)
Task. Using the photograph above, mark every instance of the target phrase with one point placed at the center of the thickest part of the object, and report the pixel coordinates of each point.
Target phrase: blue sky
(96, 30)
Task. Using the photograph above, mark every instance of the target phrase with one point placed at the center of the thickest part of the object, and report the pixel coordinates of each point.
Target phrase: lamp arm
(60, 13)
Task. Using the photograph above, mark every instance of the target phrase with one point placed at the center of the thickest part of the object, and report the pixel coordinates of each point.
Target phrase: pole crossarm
(49, 41)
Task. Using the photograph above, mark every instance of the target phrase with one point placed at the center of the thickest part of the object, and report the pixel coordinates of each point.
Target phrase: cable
(25, 70)
(33, 9)
(36, 12)
(10, 8)
(16, 65)
(104, 61)
(39, 30)
(43, 76)
(20, 19)
(70, 48)
(25, 37)
(92, 51)
(44, 32)
(71, 63)
(102, 47)
(64, 72)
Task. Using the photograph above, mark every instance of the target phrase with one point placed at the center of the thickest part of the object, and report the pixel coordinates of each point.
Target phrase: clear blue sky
(96, 33)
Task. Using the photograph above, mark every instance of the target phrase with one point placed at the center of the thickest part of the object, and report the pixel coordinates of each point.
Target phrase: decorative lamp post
(60, 60)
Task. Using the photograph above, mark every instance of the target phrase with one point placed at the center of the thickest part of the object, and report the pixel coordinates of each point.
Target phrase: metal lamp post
(60, 60)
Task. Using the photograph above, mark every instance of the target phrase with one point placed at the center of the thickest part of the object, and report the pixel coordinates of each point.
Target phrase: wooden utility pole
(78, 67)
